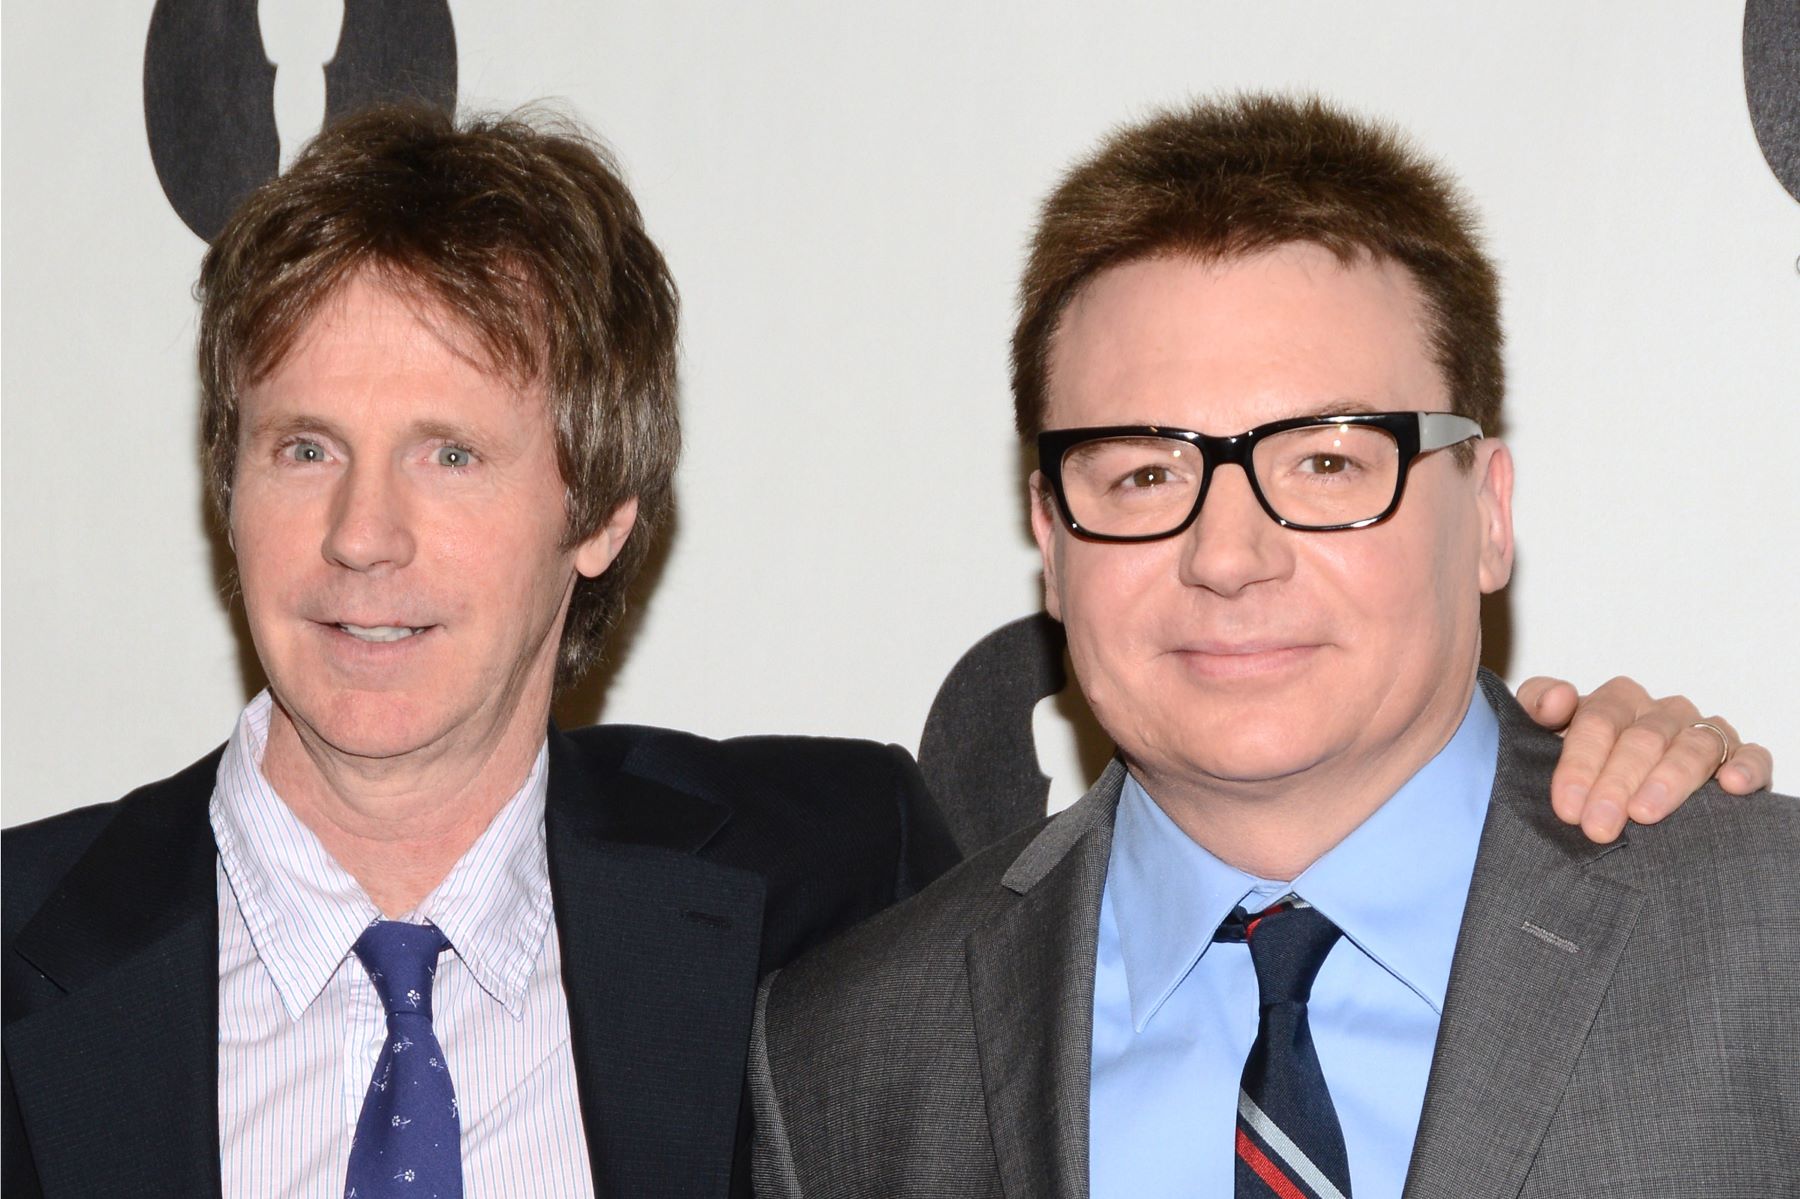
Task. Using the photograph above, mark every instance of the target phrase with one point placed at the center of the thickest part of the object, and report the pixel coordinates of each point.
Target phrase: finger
(1584, 751)
(1548, 701)
(1591, 735)
(1649, 728)
(1751, 768)
(1633, 756)
(1693, 755)
(1657, 735)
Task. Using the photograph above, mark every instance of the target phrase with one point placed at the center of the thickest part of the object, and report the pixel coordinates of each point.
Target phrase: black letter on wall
(977, 752)
(209, 90)
(1772, 84)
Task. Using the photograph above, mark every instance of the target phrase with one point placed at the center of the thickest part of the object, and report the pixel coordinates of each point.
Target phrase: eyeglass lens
(1317, 475)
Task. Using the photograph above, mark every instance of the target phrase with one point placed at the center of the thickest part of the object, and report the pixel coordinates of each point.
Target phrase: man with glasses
(1319, 473)
(1314, 933)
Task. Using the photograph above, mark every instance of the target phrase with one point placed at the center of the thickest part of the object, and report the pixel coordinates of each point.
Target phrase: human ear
(1493, 469)
(1043, 529)
(594, 555)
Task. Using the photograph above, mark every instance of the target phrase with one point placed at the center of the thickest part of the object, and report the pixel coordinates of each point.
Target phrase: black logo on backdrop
(209, 90)
(978, 752)
(1772, 84)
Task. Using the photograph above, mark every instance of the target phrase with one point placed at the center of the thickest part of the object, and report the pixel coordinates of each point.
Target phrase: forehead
(367, 342)
(1219, 346)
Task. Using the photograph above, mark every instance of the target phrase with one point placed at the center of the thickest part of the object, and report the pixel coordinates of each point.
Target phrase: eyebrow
(1343, 408)
(441, 431)
(300, 423)
(289, 425)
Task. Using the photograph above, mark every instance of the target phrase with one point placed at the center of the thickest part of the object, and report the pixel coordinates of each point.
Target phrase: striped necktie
(1289, 1144)
(409, 1135)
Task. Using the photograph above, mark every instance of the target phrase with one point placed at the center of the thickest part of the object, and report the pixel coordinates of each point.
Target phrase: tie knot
(401, 959)
(1288, 944)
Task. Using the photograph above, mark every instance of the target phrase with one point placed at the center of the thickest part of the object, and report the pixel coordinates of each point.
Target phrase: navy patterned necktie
(408, 1137)
(1289, 1143)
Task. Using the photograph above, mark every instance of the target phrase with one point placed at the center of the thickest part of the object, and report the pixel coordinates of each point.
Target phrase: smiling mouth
(381, 633)
(1244, 651)
(1222, 661)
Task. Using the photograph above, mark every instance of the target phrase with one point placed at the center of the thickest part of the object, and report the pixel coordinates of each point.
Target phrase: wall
(844, 191)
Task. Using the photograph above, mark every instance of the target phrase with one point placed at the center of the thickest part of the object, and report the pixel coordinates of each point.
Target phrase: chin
(1246, 745)
(368, 724)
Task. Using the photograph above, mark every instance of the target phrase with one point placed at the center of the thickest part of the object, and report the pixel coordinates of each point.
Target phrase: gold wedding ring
(1724, 741)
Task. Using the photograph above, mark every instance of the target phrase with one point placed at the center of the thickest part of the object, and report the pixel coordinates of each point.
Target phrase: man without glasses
(397, 938)
(399, 935)
(1315, 933)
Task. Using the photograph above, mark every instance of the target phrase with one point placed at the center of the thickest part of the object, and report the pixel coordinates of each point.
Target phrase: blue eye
(306, 451)
(453, 456)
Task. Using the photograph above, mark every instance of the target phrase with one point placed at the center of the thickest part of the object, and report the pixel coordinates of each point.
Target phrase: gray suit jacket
(1621, 1020)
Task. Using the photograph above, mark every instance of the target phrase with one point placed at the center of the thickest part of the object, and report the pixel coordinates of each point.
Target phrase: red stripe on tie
(1274, 909)
(1267, 1170)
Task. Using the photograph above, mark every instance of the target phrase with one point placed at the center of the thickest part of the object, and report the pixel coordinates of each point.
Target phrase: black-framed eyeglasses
(1316, 473)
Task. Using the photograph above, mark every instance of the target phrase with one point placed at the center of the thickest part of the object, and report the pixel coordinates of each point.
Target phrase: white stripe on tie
(1286, 1150)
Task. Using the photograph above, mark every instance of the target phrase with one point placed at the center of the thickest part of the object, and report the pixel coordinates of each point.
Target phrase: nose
(1233, 544)
(369, 529)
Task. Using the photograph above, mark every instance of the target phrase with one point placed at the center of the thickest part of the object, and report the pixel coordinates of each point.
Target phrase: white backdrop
(844, 191)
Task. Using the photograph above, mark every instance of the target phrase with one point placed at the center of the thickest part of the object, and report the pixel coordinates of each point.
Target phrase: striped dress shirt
(300, 1025)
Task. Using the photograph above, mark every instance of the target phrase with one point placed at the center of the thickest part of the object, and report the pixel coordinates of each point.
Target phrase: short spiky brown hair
(521, 231)
(1228, 178)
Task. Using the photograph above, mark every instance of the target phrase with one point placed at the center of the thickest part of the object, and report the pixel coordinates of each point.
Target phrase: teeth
(385, 632)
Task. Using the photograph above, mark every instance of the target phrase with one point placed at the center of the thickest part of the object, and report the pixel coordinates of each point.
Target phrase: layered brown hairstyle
(519, 230)
(1229, 178)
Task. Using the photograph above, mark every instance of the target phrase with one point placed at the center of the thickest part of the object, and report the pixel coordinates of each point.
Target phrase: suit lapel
(1542, 933)
(659, 961)
(117, 1076)
(1031, 982)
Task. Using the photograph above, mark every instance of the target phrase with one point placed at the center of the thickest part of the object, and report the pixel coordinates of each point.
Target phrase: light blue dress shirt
(1174, 1014)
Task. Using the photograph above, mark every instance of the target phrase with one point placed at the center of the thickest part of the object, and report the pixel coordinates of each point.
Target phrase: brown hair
(517, 227)
(1229, 178)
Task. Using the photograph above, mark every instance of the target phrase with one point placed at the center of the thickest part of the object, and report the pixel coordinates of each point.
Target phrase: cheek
(1399, 590)
(1114, 598)
(1352, 591)
(510, 551)
(269, 539)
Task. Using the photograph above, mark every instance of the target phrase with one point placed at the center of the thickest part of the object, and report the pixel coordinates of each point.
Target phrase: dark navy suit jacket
(681, 869)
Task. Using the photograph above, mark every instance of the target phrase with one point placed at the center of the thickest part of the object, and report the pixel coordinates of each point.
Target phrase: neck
(1276, 828)
(398, 825)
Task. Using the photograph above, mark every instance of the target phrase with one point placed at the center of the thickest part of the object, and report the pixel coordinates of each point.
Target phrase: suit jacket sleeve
(35, 857)
(772, 1160)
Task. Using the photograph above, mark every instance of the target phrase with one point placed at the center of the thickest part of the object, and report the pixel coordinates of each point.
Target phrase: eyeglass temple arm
(1440, 429)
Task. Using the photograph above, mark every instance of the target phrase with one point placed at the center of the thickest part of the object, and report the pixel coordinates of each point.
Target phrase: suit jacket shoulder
(1619, 1019)
(839, 829)
(858, 1040)
(36, 855)
(132, 860)
(112, 939)
(941, 1048)
(900, 950)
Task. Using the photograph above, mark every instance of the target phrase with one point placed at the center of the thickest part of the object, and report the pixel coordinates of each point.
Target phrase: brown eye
(1147, 476)
(1324, 464)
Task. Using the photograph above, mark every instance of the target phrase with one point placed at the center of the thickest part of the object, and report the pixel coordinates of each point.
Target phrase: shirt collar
(304, 911)
(495, 903)
(1170, 894)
